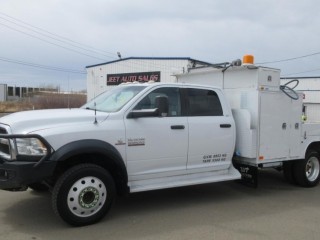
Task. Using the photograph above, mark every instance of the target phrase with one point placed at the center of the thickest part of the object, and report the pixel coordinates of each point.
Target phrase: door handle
(284, 126)
(176, 127)
(225, 125)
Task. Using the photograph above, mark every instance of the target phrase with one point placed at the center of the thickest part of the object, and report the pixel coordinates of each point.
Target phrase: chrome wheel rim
(87, 196)
(312, 169)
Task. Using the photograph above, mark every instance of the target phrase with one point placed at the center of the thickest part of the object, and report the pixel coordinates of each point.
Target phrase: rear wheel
(307, 171)
(83, 194)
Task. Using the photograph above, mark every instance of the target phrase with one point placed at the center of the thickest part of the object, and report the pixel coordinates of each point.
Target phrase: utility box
(3, 92)
(268, 121)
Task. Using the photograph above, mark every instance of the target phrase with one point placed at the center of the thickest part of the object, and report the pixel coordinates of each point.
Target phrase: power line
(56, 39)
(290, 59)
(73, 50)
(56, 35)
(58, 45)
(65, 41)
(312, 70)
(42, 66)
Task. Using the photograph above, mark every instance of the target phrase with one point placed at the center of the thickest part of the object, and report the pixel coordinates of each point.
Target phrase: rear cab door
(211, 130)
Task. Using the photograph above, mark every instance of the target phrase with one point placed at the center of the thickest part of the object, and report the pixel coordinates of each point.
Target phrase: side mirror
(143, 113)
(162, 104)
(161, 109)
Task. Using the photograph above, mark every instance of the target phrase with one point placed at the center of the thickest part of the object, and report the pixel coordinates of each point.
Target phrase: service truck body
(141, 137)
(269, 123)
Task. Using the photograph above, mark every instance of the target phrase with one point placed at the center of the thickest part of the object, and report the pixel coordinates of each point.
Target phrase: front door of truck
(157, 146)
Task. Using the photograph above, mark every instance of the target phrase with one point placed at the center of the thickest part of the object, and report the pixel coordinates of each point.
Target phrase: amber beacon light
(248, 60)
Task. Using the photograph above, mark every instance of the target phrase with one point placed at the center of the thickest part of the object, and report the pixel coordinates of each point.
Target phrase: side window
(203, 103)
(173, 95)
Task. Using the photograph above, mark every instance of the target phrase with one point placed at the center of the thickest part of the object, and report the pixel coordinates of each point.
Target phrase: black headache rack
(30, 158)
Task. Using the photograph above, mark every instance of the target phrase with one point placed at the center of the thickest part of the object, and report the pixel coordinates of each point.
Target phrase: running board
(184, 180)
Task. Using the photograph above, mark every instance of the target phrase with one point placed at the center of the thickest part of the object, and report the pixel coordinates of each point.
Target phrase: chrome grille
(4, 145)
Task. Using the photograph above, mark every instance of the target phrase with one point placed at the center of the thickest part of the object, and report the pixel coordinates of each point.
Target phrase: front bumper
(16, 176)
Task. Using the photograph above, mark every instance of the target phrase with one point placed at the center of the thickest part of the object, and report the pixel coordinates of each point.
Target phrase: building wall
(13, 93)
(97, 75)
(3, 92)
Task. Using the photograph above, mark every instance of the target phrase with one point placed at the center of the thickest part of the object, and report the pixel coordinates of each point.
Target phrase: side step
(184, 180)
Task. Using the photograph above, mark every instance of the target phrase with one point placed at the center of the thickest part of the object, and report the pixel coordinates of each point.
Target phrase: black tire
(39, 187)
(83, 194)
(307, 171)
(288, 172)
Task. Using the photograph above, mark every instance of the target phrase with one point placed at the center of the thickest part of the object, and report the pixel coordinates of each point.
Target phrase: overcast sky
(49, 33)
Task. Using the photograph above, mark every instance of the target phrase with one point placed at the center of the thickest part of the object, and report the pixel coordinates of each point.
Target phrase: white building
(101, 77)
(3, 92)
(310, 86)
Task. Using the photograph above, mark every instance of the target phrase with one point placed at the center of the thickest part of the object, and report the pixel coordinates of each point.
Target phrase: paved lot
(276, 210)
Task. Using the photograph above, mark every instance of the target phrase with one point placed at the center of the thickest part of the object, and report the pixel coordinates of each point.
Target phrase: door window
(173, 95)
(203, 102)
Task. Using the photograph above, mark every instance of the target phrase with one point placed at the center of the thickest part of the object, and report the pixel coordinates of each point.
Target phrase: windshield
(115, 99)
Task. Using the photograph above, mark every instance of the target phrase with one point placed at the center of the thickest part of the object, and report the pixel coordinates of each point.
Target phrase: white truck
(140, 137)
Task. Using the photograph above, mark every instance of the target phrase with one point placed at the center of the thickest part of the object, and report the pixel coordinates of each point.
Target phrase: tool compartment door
(280, 124)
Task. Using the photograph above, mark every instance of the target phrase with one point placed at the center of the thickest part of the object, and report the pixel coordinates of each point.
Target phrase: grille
(4, 144)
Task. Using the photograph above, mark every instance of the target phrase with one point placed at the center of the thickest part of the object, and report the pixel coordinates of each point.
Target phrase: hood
(30, 121)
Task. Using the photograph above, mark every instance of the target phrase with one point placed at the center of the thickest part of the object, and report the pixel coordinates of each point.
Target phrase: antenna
(95, 114)
(94, 96)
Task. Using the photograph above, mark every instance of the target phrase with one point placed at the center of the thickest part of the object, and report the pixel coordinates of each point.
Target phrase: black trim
(94, 147)
(16, 176)
(184, 102)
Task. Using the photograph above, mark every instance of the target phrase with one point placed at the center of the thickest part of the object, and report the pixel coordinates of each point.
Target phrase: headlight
(30, 146)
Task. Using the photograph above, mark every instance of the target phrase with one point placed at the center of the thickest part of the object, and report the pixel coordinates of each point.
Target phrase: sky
(49, 43)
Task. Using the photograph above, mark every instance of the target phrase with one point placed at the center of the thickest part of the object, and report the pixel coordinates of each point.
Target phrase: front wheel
(307, 171)
(83, 194)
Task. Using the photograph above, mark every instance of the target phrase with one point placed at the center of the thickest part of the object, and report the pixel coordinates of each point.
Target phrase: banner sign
(116, 79)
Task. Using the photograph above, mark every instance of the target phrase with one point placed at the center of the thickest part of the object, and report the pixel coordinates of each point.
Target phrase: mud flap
(249, 174)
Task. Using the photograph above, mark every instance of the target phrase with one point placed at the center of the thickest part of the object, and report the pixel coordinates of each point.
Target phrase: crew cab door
(211, 131)
(157, 146)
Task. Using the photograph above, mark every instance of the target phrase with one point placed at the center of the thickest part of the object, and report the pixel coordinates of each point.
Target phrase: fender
(88, 146)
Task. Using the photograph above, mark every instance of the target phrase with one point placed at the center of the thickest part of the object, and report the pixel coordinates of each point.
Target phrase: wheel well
(116, 172)
(314, 146)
